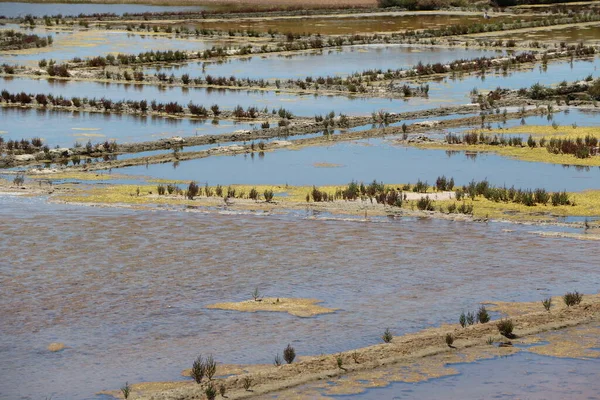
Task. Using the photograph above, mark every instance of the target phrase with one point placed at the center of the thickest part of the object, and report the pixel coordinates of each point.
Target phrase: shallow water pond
(126, 293)
(15, 9)
(459, 87)
(340, 61)
(85, 43)
(365, 160)
(64, 128)
(303, 105)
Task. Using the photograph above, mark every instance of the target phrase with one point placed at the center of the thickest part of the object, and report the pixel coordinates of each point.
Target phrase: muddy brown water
(126, 290)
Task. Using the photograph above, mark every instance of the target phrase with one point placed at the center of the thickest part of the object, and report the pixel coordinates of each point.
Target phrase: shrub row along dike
(14, 40)
(264, 134)
(406, 350)
(367, 83)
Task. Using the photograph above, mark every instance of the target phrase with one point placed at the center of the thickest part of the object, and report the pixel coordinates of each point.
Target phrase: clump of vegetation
(547, 303)
(505, 327)
(289, 354)
(449, 339)
(256, 295)
(278, 361)
(210, 392)
(210, 367)
(572, 298)
(387, 336)
(222, 390)
(268, 194)
(482, 315)
(198, 370)
(126, 390)
(247, 383)
(193, 190)
(19, 179)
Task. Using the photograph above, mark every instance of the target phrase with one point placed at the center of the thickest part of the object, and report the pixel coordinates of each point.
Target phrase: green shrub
(289, 354)
(425, 204)
(449, 339)
(387, 336)
(126, 390)
(462, 320)
(470, 318)
(547, 303)
(268, 193)
(210, 367)
(278, 361)
(247, 382)
(505, 327)
(572, 298)
(198, 370)
(193, 190)
(210, 392)
(482, 315)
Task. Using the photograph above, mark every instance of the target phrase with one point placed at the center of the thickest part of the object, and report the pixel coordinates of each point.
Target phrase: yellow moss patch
(521, 153)
(326, 165)
(586, 203)
(564, 132)
(54, 347)
(297, 307)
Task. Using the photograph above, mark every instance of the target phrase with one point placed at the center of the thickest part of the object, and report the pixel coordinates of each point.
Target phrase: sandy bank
(297, 307)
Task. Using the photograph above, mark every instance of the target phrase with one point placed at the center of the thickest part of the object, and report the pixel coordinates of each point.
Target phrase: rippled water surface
(341, 61)
(64, 128)
(368, 159)
(126, 290)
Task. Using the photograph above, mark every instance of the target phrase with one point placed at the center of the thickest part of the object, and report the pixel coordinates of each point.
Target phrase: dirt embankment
(280, 144)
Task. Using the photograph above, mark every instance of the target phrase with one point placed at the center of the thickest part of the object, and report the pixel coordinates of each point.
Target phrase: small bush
(193, 190)
(210, 367)
(247, 382)
(289, 354)
(198, 370)
(572, 298)
(268, 193)
(387, 336)
(482, 315)
(505, 327)
(126, 390)
(19, 180)
(547, 303)
(449, 339)
(278, 361)
(222, 390)
(470, 318)
(463, 320)
(210, 392)
(425, 204)
(340, 361)
(161, 189)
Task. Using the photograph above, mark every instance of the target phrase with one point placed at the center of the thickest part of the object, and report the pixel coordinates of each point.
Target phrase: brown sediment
(293, 306)
(414, 357)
